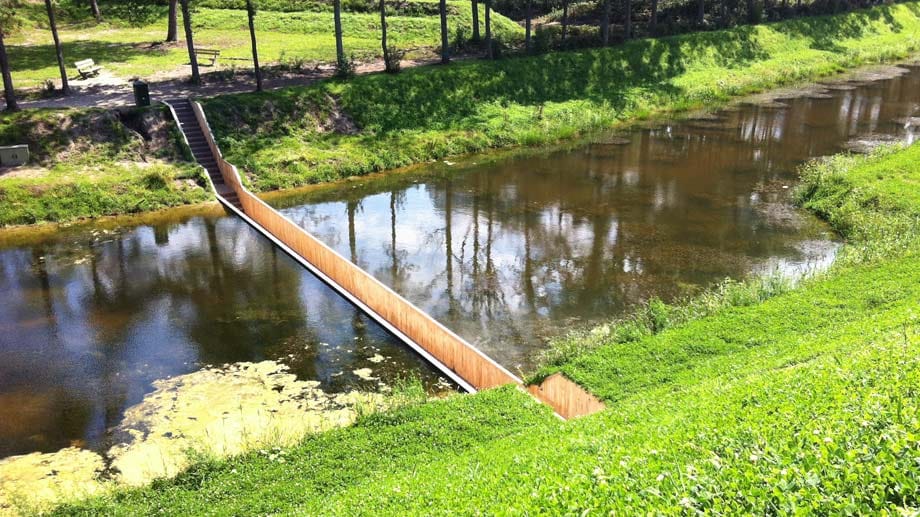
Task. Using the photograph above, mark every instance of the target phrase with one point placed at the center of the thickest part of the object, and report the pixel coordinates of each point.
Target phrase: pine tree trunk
(65, 86)
(527, 27)
(9, 94)
(445, 42)
(653, 21)
(339, 46)
(189, 41)
(172, 22)
(490, 52)
(605, 24)
(94, 8)
(701, 12)
(251, 12)
(751, 12)
(565, 19)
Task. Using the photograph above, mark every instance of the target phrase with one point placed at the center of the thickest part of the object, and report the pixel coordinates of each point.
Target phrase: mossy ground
(799, 400)
(90, 163)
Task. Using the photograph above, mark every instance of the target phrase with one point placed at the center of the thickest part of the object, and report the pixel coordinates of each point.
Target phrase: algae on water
(215, 412)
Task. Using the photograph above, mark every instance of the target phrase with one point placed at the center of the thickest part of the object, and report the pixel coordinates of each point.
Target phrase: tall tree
(339, 46)
(475, 5)
(565, 19)
(190, 41)
(9, 93)
(172, 22)
(388, 63)
(528, 21)
(251, 12)
(627, 19)
(653, 18)
(445, 44)
(700, 12)
(605, 23)
(94, 8)
(65, 86)
(490, 50)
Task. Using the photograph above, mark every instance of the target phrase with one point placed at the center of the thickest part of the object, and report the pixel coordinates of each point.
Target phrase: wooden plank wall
(465, 360)
(567, 398)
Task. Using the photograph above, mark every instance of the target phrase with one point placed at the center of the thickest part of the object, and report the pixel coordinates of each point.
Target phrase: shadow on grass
(25, 58)
(826, 32)
(442, 98)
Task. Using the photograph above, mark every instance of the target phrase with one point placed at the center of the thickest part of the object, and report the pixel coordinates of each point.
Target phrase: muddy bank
(212, 413)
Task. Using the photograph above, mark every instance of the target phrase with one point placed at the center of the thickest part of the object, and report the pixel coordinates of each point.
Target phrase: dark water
(88, 321)
(512, 253)
(508, 254)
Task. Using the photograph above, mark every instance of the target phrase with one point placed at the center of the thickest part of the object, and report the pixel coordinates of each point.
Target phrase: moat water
(509, 252)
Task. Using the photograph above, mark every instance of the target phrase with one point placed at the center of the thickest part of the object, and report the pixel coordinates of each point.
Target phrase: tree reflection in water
(512, 253)
(90, 320)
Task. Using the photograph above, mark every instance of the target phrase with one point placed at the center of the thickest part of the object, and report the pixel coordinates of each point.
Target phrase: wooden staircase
(202, 152)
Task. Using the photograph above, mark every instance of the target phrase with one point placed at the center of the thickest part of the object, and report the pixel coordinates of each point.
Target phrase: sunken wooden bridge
(471, 369)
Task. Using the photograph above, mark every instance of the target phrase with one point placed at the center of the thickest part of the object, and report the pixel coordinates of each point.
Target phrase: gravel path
(109, 91)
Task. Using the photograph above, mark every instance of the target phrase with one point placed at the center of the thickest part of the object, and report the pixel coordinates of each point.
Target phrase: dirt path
(109, 91)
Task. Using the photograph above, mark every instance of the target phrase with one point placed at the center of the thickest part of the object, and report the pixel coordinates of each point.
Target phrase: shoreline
(17, 234)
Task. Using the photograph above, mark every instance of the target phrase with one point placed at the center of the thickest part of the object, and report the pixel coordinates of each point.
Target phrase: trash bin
(141, 93)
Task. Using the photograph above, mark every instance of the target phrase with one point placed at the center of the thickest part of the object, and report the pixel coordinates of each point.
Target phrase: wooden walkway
(463, 363)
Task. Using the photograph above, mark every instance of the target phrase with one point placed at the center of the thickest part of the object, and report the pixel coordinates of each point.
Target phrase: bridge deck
(450, 353)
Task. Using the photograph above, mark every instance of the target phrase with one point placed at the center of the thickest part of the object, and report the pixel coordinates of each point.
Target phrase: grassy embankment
(94, 163)
(335, 129)
(127, 43)
(757, 399)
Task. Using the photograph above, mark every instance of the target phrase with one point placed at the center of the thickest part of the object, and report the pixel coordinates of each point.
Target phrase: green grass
(759, 400)
(336, 129)
(94, 163)
(290, 38)
(289, 138)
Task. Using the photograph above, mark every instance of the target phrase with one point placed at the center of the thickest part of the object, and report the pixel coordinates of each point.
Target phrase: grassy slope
(804, 402)
(289, 137)
(430, 113)
(290, 37)
(94, 164)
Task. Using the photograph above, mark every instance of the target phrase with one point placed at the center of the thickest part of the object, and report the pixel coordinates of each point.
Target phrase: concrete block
(14, 155)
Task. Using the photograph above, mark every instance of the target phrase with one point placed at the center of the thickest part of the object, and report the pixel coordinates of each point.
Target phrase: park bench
(87, 68)
(208, 53)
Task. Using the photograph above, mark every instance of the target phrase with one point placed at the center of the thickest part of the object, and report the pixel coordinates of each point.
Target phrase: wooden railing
(467, 362)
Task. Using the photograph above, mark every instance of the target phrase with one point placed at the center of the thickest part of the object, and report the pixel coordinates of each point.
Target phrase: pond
(508, 251)
(511, 253)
